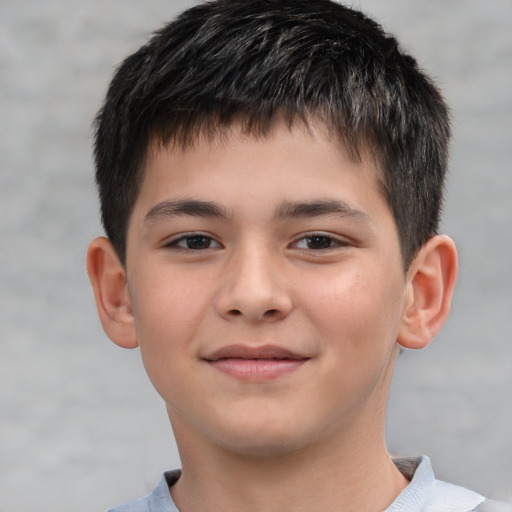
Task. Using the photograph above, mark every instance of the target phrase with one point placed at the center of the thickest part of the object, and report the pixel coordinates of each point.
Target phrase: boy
(270, 175)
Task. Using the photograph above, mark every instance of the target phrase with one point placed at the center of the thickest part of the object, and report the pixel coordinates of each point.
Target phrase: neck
(347, 473)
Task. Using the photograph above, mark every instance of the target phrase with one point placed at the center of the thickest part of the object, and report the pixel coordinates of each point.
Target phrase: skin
(225, 249)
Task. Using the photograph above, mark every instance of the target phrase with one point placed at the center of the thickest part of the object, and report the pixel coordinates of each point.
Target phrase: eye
(318, 242)
(194, 242)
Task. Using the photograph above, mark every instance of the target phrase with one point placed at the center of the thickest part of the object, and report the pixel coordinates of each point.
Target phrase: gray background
(80, 427)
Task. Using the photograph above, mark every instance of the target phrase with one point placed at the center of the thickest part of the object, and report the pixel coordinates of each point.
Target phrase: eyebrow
(181, 207)
(320, 208)
(287, 209)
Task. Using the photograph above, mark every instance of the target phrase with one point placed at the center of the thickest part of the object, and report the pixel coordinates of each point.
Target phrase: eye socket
(310, 242)
(194, 242)
(318, 242)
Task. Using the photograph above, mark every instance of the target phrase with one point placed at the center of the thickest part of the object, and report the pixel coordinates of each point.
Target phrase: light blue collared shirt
(423, 494)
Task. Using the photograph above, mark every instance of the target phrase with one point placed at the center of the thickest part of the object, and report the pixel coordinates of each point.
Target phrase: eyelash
(334, 242)
(199, 237)
(186, 238)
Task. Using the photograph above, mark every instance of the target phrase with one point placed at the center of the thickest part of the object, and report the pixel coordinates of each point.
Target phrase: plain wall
(81, 428)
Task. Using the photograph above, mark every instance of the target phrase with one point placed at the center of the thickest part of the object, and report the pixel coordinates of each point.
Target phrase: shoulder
(452, 498)
(139, 505)
(494, 506)
(157, 501)
(427, 494)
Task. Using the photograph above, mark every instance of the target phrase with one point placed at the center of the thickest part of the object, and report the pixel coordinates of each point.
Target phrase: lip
(255, 363)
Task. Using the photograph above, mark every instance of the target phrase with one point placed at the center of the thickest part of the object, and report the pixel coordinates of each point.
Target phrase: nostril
(235, 312)
(271, 312)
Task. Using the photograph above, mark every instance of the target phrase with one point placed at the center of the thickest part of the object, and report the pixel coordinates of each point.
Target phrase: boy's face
(267, 288)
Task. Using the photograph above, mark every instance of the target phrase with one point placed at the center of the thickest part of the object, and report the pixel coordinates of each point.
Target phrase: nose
(254, 288)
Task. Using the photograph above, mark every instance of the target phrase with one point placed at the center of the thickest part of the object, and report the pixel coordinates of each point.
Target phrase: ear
(108, 279)
(430, 282)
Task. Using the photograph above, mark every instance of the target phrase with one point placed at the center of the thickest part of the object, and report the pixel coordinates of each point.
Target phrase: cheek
(168, 312)
(166, 324)
(167, 304)
(355, 309)
(356, 324)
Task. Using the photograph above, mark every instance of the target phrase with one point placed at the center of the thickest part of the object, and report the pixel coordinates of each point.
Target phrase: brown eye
(318, 242)
(198, 242)
(194, 242)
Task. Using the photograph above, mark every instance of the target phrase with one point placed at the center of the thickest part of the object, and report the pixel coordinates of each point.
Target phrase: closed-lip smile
(259, 363)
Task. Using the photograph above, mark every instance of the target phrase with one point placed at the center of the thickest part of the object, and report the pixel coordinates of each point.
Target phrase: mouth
(255, 363)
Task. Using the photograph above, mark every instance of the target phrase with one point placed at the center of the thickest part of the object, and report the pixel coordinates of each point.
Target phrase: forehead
(310, 133)
(294, 153)
(250, 179)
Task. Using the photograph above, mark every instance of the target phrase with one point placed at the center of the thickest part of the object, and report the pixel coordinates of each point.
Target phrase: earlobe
(108, 279)
(430, 284)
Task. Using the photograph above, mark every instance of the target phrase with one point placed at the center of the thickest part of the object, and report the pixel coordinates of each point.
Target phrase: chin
(264, 442)
(261, 448)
